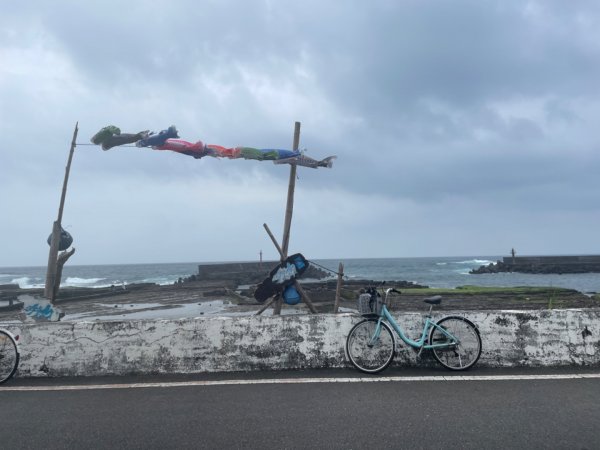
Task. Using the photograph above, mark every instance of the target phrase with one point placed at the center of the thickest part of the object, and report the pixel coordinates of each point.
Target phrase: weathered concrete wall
(534, 338)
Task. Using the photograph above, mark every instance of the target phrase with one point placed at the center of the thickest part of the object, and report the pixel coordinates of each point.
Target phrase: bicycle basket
(369, 304)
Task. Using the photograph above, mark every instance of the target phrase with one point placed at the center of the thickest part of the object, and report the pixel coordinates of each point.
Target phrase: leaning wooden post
(266, 305)
(338, 288)
(49, 291)
(305, 296)
(275, 243)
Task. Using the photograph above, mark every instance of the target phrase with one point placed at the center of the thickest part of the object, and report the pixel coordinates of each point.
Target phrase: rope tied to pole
(327, 269)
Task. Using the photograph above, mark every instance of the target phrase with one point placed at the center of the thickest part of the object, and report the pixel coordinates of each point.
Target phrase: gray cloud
(461, 113)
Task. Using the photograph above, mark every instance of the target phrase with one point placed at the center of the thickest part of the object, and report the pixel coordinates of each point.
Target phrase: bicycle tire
(370, 358)
(463, 355)
(9, 357)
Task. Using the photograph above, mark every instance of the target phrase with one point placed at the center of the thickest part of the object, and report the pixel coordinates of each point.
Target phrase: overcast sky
(461, 127)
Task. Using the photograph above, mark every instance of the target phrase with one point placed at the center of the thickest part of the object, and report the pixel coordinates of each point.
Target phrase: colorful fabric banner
(111, 136)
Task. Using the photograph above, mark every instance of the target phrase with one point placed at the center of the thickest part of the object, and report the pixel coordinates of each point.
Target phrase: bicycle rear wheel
(365, 354)
(463, 350)
(9, 357)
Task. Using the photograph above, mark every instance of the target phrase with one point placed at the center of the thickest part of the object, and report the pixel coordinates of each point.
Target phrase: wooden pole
(52, 262)
(290, 197)
(338, 289)
(49, 291)
(289, 209)
(60, 262)
(283, 250)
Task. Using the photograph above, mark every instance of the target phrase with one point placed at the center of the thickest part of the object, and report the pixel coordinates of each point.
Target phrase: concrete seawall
(510, 338)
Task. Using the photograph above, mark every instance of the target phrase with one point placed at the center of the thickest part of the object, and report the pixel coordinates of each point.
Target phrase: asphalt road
(308, 409)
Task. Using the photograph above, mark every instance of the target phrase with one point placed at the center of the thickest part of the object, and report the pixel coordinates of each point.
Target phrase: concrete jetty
(543, 264)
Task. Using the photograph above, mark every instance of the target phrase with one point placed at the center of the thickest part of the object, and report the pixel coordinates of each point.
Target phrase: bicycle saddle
(435, 300)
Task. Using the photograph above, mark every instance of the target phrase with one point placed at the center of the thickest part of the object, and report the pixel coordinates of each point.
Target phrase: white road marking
(299, 381)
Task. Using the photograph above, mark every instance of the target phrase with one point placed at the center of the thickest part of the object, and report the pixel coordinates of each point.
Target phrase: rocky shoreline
(226, 298)
(230, 292)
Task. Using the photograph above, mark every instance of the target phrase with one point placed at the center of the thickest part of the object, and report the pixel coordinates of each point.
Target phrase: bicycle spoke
(369, 353)
(9, 358)
(463, 349)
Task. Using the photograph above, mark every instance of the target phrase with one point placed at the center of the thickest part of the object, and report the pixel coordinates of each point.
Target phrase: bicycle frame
(421, 343)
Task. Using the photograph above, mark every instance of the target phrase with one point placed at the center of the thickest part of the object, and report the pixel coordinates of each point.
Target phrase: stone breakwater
(543, 265)
(256, 343)
(248, 272)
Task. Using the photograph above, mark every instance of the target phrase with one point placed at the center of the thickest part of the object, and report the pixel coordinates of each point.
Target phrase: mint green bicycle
(9, 355)
(371, 346)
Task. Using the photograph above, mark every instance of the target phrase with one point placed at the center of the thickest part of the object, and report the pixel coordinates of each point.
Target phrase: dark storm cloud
(489, 105)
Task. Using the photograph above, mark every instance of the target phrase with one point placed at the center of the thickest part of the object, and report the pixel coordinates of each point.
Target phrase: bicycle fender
(464, 319)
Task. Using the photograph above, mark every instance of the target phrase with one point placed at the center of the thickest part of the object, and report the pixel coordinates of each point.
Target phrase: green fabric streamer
(104, 134)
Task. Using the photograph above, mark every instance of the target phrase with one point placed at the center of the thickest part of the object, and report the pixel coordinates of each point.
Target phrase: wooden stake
(266, 305)
(278, 305)
(338, 289)
(305, 297)
(49, 290)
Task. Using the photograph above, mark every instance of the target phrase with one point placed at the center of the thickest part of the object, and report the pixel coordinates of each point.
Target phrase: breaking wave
(28, 282)
(162, 281)
(82, 282)
(481, 262)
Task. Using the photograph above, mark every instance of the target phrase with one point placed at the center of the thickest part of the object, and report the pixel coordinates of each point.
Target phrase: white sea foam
(481, 262)
(162, 281)
(28, 283)
(76, 281)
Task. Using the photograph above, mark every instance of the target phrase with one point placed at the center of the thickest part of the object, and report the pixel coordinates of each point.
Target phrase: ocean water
(441, 272)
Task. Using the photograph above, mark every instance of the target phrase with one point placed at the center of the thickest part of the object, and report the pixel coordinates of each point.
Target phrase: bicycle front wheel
(459, 351)
(9, 357)
(369, 354)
